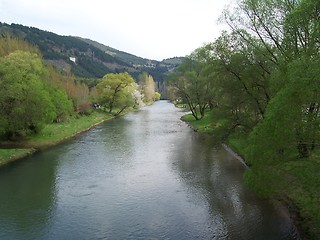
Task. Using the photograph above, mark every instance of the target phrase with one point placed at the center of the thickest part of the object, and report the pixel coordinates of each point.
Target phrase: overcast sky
(154, 29)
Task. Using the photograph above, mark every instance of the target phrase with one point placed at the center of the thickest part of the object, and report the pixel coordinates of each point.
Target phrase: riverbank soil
(299, 180)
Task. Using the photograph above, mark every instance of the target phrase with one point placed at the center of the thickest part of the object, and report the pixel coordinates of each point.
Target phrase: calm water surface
(143, 176)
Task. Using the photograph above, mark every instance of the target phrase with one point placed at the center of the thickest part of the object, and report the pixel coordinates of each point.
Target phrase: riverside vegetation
(50, 135)
(42, 105)
(256, 88)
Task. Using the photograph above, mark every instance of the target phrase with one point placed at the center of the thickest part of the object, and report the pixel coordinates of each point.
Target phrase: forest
(34, 94)
(257, 88)
(92, 59)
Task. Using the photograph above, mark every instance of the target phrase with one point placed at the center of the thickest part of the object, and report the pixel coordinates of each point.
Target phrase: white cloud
(153, 29)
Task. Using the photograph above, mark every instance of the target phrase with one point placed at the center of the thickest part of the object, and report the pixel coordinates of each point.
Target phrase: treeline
(117, 92)
(34, 94)
(261, 81)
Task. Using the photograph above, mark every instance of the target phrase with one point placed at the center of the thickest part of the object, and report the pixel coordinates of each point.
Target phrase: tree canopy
(33, 93)
(193, 82)
(116, 91)
(261, 79)
(25, 101)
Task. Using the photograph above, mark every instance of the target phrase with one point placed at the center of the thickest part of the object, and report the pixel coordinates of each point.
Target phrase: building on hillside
(72, 59)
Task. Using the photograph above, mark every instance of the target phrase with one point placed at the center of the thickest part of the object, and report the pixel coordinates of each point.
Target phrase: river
(146, 175)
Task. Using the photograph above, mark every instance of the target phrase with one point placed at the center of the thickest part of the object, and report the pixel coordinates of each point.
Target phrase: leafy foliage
(147, 87)
(116, 91)
(192, 82)
(25, 102)
(33, 93)
(265, 89)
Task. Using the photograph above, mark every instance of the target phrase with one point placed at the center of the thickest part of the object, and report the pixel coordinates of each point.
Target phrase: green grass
(302, 186)
(181, 105)
(205, 125)
(59, 131)
(9, 155)
(51, 135)
(238, 143)
(297, 183)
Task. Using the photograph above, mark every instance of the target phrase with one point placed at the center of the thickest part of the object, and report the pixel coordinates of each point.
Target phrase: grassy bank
(58, 132)
(49, 136)
(205, 125)
(10, 155)
(302, 187)
(296, 183)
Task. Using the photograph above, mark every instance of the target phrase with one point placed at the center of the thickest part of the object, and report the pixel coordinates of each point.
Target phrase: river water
(146, 175)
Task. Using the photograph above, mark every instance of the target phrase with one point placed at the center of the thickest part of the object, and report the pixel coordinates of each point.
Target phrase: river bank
(299, 191)
(51, 135)
(10, 155)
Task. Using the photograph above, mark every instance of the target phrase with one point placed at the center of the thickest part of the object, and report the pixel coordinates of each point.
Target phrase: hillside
(156, 68)
(87, 58)
(126, 57)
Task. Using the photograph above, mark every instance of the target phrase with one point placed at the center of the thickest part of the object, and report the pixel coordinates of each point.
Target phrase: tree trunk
(121, 110)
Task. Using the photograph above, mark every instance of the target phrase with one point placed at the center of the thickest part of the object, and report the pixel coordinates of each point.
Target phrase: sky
(153, 29)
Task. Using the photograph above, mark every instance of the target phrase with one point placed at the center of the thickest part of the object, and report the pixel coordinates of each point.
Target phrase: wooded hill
(87, 58)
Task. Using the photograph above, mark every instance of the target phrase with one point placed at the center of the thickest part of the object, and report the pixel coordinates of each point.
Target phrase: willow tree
(295, 107)
(115, 91)
(26, 104)
(193, 82)
(242, 85)
(286, 33)
(264, 20)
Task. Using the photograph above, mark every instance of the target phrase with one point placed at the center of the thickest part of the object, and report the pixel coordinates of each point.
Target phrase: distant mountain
(87, 58)
(126, 57)
(158, 69)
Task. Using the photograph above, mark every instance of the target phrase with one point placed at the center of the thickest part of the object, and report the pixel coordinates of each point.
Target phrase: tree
(54, 82)
(116, 91)
(63, 106)
(264, 20)
(242, 81)
(285, 34)
(193, 82)
(78, 92)
(147, 87)
(157, 96)
(9, 44)
(291, 128)
(289, 31)
(26, 104)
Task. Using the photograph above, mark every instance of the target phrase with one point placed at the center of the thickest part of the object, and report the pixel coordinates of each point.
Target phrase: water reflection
(215, 178)
(27, 198)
